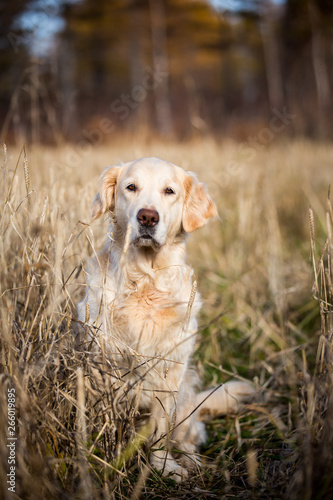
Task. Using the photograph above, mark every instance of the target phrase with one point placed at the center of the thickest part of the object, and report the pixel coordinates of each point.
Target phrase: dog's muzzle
(148, 220)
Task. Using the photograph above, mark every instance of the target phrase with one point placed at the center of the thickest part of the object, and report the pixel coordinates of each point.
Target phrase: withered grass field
(264, 271)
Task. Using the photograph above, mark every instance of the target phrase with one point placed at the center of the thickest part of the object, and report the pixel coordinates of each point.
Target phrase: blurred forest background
(206, 85)
(85, 70)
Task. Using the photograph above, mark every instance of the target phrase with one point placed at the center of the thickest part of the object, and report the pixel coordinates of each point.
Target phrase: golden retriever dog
(141, 304)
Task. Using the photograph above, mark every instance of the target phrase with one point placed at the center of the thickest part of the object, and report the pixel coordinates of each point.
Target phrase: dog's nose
(148, 217)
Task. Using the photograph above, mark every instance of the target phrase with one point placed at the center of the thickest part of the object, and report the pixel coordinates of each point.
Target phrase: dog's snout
(148, 217)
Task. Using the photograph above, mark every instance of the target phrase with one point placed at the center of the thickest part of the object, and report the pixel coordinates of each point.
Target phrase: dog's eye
(169, 190)
(131, 187)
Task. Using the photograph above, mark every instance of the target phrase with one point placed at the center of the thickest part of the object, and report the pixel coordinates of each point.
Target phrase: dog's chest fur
(151, 315)
(146, 316)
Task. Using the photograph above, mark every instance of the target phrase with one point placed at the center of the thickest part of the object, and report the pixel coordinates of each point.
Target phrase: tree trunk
(320, 69)
(271, 56)
(161, 65)
(136, 58)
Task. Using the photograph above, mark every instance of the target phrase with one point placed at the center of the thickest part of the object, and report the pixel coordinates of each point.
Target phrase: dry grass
(259, 320)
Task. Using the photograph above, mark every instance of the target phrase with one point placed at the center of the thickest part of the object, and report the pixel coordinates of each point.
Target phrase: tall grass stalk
(259, 321)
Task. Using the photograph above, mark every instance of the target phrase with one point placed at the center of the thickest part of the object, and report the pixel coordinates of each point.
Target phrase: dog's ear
(198, 205)
(104, 199)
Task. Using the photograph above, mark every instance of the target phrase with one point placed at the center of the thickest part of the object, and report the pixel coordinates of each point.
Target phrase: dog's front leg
(163, 418)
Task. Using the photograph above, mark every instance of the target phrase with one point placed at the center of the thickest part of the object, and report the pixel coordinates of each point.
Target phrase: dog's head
(157, 198)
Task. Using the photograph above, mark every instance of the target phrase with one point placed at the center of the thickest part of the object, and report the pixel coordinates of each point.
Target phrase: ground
(266, 317)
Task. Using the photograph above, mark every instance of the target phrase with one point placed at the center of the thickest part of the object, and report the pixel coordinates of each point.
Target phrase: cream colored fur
(142, 305)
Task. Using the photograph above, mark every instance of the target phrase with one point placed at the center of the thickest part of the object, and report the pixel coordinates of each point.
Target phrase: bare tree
(161, 65)
(271, 55)
(136, 56)
(319, 67)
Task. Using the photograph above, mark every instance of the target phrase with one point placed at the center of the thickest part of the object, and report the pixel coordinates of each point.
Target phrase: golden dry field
(267, 317)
